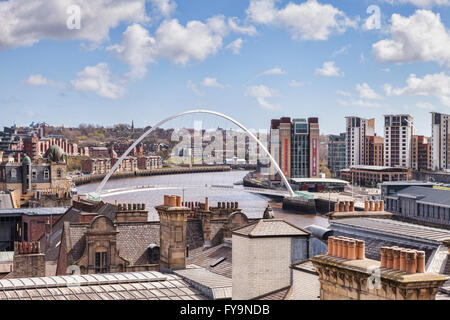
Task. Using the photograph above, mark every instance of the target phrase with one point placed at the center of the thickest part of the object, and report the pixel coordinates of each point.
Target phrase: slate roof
(271, 228)
(426, 195)
(133, 240)
(41, 211)
(110, 286)
(395, 228)
(210, 258)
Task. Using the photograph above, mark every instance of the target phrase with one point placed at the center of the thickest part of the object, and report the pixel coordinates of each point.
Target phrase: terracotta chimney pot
(402, 266)
(382, 205)
(396, 255)
(336, 207)
(360, 250)
(330, 245)
(347, 206)
(420, 262)
(389, 258)
(411, 262)
(341, 207)
(206, 204)
(383, 256)
(178, 201)
(345, 249)
(352, 249)
(371, 205)
(352, 206)
(172, 201)
(166, 200)
(339, 247)
(366, 205)
(377, 206)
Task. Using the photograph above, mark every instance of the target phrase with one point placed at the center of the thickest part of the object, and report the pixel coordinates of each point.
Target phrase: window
(33, 174)
(13, 173)
(153, 254)
(101, 260)
(58, 173)
(46, 174)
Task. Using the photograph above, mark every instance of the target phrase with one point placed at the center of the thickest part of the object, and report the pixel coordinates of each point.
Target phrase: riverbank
(90, 178)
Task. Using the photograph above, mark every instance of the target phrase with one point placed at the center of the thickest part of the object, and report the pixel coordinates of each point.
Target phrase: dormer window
(101, 260)
(46, 174)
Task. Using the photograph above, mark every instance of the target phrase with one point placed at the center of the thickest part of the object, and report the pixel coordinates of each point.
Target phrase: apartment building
(440, 141)
(357, 129)
(398, 132)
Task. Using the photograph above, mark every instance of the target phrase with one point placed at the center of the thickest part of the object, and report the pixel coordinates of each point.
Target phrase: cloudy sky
(251, 59)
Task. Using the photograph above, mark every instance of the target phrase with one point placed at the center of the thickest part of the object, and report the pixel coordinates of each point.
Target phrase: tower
(173, 221)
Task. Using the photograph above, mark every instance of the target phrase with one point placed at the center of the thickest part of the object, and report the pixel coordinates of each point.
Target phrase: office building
(336, 154)
(420, 153)
(398, 132)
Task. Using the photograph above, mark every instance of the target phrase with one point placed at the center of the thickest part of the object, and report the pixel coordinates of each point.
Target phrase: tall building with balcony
(357, 129)
(374, 151)
(336, 154)
(420, 153)
(440, 141)
(398, 132)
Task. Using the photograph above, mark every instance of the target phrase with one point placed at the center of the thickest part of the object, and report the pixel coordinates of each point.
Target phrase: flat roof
(426, 195)
(41, 211)
(375, 168)
(318, 180)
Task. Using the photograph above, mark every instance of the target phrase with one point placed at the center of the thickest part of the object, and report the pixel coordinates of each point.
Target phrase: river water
(190, 187)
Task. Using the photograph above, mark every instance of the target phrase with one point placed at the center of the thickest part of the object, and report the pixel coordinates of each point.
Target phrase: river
(253, 205)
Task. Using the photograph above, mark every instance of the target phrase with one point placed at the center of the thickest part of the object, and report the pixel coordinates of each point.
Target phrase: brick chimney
(28, 260)
(345, 274)
(173, 221)
(131, 212)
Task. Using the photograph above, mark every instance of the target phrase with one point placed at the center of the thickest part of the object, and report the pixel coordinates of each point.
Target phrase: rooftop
(376, 168)
(318, 180)
(271, 228)
(425, 195)
(41, 211)
(112, 286)
(396, 228)
(217, 259)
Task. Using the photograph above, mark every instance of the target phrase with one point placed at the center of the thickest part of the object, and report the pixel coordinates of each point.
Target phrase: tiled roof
(396, 228)
(217, 259)
(112, 286)
(271, 228)
(306, 266)
(213, 285)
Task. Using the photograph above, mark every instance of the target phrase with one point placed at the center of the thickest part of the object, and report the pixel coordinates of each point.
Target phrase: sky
(67, 62)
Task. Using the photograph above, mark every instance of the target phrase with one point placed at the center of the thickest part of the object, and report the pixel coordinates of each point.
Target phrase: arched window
(153, 254)
(101, 260)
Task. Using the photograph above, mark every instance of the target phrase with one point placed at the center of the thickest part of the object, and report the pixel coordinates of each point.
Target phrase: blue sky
(253, 60)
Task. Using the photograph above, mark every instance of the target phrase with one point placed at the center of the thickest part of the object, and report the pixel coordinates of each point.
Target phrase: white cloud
(425, 106)
(233, 24)
(309, 20)
(360, 103)
(294, 83)
(420, 37)
(136, 48)
(261, 93)
(26, 22)
(342, 50)
(366, 92)
(165, 7)
(344, 93)
(212, 82)
(271, 72)
(191, 85)
(329, 70)
(437, 85)
(235, 46)
(40, 80)
(421, 3)
(98, 79)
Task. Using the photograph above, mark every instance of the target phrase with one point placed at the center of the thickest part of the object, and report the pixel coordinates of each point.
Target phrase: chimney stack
(28, 261)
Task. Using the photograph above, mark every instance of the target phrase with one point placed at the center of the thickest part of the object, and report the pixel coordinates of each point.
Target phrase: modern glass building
(336, 153)
(300, 156)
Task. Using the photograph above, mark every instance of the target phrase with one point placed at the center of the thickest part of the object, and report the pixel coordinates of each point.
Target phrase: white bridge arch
(261, 145)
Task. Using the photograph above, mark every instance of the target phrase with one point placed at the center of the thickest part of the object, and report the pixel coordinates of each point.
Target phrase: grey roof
(426, 195)
(213, 285)
(279, 294)
(110, 286)
(377, 168)
(271, 228)
(41, 211)
(306, 266)
(6, 201)
(395, 228)
(217, 259)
